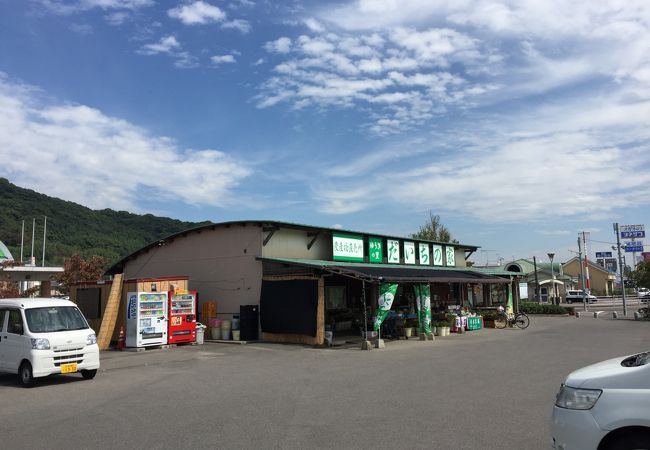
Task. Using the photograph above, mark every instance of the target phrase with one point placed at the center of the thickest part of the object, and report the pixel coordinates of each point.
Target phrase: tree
(76, 269)
(433, 230)
(641, 275)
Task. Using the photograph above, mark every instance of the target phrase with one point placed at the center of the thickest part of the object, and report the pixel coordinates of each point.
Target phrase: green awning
(396, 273)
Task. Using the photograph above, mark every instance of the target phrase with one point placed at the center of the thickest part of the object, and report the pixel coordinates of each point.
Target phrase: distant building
(26, 276)
(601, 280)
(558, 278)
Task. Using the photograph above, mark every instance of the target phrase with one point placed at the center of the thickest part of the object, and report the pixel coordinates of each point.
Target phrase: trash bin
(200, 330)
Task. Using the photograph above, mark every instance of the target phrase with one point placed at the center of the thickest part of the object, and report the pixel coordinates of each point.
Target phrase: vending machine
(146, 319)
(182, 316)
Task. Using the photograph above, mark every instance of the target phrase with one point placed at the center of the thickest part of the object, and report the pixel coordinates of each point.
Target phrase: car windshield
(55, 318)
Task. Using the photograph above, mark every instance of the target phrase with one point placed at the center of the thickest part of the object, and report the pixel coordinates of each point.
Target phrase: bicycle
(520, 319)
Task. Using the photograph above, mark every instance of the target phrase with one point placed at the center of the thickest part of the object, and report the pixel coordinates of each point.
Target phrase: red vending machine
(182, 317)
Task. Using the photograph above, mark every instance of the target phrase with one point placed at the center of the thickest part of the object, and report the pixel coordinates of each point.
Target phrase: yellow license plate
(69, 368)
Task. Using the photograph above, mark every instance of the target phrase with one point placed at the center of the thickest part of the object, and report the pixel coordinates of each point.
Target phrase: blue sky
(520, 123)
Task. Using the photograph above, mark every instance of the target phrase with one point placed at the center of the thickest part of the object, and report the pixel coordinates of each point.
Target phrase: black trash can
(249, 317)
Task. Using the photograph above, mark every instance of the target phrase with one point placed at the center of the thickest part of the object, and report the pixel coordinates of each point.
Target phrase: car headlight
(91, 339)
(572, 398)
(40, 344)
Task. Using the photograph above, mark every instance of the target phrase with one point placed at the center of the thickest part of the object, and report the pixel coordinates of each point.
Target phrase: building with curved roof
(5, 254)
(301, 276)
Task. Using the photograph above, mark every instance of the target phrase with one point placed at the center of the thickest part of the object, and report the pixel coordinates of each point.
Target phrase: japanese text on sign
(409, 252)
(451, 257)
(437, 255)
(424, 254)
(375, 250)
(393, 251)
(632, 231)
(347, 247)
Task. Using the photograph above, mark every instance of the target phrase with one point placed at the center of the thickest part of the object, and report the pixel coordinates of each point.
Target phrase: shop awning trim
(398, 273)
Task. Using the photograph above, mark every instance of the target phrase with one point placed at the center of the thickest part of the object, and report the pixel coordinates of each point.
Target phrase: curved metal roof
(119, 265)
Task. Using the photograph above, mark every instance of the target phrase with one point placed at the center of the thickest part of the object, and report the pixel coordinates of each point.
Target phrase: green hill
(72, 228)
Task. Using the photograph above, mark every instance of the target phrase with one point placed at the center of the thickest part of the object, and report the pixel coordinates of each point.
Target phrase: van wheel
(89, 374)
(26, 375)
(568, 300)
(631, 441)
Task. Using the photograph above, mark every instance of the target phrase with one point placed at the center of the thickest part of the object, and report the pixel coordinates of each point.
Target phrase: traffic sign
(603, 254)
(633, 246)
(632, 231)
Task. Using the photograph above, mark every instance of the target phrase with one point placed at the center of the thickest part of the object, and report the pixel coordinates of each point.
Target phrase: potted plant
(488, 318)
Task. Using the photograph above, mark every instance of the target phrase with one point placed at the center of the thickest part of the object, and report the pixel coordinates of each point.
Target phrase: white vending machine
(146, 319)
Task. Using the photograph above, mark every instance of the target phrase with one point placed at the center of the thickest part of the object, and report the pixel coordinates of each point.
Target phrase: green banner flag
(386, 296)
(423, 302)
(510, 307)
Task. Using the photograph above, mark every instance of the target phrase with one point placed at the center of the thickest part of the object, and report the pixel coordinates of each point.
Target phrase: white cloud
(573, 161)
(223, 59)
(167, 44)
(241, 25)
(197, 13)
(78, 153)
(116, 18)
(314, 25)
(280, 45)
(460, 55)
(554, 232)
(77, 6)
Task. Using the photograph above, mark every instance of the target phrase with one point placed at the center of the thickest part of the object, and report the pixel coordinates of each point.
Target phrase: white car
(605, 406)
(643, 294)
(45, 336)
(573, 295)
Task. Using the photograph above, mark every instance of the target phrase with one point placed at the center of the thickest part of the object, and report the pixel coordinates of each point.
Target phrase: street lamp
(550, 257)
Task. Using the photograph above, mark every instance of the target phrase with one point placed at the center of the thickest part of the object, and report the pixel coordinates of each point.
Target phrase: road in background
(489, 389)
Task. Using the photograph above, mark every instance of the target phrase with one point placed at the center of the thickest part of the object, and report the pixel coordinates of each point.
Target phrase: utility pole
(582, 277)
(31, 259)
(22, 242)
(536, 280)
(620, 263)
(44, 230)
(550, 257)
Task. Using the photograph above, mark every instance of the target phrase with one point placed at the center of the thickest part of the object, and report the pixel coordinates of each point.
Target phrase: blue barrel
(235, 322)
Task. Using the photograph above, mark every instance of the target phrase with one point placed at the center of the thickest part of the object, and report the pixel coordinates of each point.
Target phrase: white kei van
(45, 336)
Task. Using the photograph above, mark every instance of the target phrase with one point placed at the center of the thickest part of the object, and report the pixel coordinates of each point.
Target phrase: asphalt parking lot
(485, 389)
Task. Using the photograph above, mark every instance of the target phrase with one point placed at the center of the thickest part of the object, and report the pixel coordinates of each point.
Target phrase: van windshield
(55, 318)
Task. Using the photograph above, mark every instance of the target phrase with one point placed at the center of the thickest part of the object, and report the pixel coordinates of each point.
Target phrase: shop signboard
(347, 247)
(451, 256)
(632, 231)
(409, 252)
(603, 254)
(437, 255)
(375, 250)
(392, 254)
(425, 260)
(634, 246)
